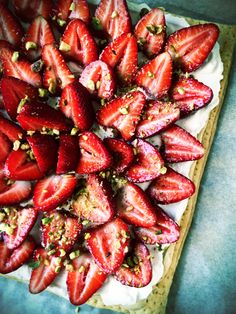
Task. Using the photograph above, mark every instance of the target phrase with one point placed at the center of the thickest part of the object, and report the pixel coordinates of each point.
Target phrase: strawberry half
(5, 147)
(52, 191)
(59, 232)
(148, 163)
(46, 269)
(56, 74)
(171, 187)
(14, 91)
(108, 245)
(16, 225)
(190, 46)
(76, 104)
(122, 153)
(95, 202)
(84, 279)
(136, 270)
(10, 28)
(112, 17)
(155, 76)
(134, 206)
(179, 145)
(77, 43)
(123, 113)
(122, 55)
(165, 231)
(30, 9)
(99, 79)
(94, 154)
(158, 116)
(190, 95)
(18, 67)
(11, 260)
(150, 32)
(10, 129)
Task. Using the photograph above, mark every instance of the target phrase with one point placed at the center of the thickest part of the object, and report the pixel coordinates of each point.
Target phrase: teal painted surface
(205, 279)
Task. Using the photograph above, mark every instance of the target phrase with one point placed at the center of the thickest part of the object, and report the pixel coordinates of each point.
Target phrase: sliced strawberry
(122, 153)
(123, 113)
(18, 67)
(11, 260)
(190, 95)
(95, 202)
(84, 279)
(68, 154)
(158, 116)
(171, 187)
(122, 54)
(10, 28)
(45, 270)
(80, 10)
(59, 232)
(10, 129)
(136, 270)
(30, 9)
(108, 245)
(165, 231)
(155, 76)
(6, 44)
(5, 147)
(99, 79)
(179, 145)
(150, 32)
(94, 154)
(77, 43)
(14, 193)
(112, 17)
(38, 34)
(76, 104)
(53, 191)
(190, 46)
(13, 91)
(56, 74)
(17, 224)
(40, 116)
(148, 163)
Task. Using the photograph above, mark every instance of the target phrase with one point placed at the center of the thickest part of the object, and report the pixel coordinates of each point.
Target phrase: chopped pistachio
(163, 170)
(15, 56)
(34, 264)
(58, 261)
(91, 84)
(72, 7)
(77, 309)
(57, 269)
(43, 92)
(52, 252)
(158, 232)
(25, 146)
(57, 132)
(98, 84)
(37, 66)
(87, 236)
(102, 101)
(124, 110)
(52, 85)
(85, 222)
(2, 216)
(181, 90)
(114, 14)
(62, 252)
(96, 24)
(74, 254)
(46, 220)
(85, 137)
(8, 229)
(22, 102)
(81, 269)
(129, 208)
(46, 262)
(30, 45)
(154, 29)
(61, 22)
(16, 145)
(150, 74)
(74, 131)
(64, 46)
(69, 267)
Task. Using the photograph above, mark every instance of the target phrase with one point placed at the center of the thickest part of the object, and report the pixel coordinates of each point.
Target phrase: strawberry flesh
(6, 146)
(30, 9)
(10, 129)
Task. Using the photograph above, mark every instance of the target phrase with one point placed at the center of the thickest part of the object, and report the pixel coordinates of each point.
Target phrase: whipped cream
(113, 292)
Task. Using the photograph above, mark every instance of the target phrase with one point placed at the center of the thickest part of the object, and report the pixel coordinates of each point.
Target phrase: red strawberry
(112, 17)
(136, 270)
(5, 147)
(179, 145)
(190, 46)
(150, 32)
(171, 187)
(68, 154)
(134, 206)
(122, 153)
(39, 117)
(84, 279)
(5, 44)
(158, 116)
(148, 163)
(38, 34)
(122, 54)
(45, 270)
(18, 67)
(61, 11)
(59, 232)
(165, 231)
(17, 224)
(76, 104)
(56, 74)
(95, 202)
(13, 91)
(155, 76)
(80, 10)
(123, 113)
(77, 43)
(99, 79)
(94, 154)
(10, 129)
(11, 260)
(108, 245)
(190, 95)
(53, 191)
(10, 28)
(30, 9)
